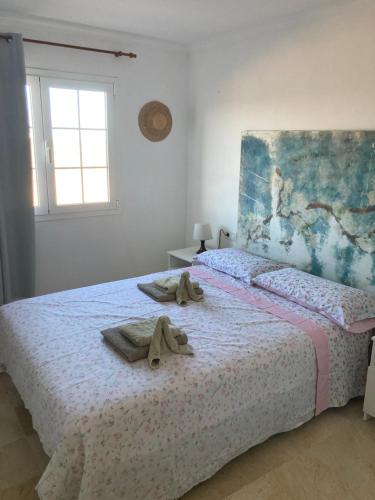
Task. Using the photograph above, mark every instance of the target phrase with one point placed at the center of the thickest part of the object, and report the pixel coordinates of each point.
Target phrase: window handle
(49, 152)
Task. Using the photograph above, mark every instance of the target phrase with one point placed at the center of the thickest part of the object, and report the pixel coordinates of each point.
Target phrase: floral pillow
(350, 308)
(237, 263)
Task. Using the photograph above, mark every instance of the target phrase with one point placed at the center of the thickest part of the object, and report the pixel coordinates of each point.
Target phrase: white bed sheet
(121, 431)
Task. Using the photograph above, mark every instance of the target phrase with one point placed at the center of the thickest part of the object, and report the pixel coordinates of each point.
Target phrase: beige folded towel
(128, 349)
(186, 290)
(124, 346)
(159, 334)
(141, 332)
(164, 336)
(170, 284)
(158, 294)
(181, 286)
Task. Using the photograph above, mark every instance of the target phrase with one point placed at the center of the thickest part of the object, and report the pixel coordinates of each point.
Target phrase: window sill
(76, 215)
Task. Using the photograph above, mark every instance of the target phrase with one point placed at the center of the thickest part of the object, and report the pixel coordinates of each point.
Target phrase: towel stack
(178, 288)
(148, 339)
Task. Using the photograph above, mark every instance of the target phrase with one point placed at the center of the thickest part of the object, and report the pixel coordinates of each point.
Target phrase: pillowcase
(237, 263)
(350, 308)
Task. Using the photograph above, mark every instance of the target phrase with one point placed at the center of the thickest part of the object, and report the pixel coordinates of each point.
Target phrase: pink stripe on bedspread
(317, 334)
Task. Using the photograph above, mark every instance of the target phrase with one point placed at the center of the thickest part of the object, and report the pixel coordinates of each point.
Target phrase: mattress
(116, 430)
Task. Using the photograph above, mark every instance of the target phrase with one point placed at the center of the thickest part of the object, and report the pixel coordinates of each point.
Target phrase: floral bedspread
(122, 431)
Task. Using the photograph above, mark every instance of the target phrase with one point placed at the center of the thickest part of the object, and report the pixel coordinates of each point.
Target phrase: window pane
(95, 185)
(35, 189)
(94, 148)
(68, 186)
(64, 107)
(66, 148)
(92, 107)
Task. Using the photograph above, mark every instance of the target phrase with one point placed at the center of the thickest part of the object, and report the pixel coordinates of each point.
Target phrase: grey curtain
(16, 200)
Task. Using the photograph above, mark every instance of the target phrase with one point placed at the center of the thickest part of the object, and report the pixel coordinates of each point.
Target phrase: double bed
(116, 430)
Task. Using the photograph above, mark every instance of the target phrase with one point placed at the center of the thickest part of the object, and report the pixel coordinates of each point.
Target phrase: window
(70, 130)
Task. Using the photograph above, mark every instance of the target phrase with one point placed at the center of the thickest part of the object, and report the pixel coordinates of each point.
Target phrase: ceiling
(182, 21)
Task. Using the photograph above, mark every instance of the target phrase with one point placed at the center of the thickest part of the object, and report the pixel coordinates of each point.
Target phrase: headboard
(308, 198)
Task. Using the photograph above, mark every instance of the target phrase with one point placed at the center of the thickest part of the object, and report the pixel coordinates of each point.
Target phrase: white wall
(151, 182)
(313, 71)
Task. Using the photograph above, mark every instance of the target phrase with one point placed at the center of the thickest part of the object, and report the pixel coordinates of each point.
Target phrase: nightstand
(181, 258)
(369, 404)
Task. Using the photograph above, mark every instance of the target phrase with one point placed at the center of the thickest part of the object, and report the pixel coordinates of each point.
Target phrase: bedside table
(369, 404)
(181, 258)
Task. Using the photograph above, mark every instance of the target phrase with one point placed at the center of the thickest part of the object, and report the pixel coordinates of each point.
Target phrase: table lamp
(202, 232)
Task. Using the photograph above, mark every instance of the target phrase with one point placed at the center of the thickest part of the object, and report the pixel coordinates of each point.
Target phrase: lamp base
(202, 248)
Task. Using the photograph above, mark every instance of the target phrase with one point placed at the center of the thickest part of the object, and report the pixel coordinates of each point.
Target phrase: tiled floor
(332, 457)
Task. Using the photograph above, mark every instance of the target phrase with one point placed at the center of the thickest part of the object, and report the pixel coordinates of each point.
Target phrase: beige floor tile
(17, 464)
(10, 428)
(348, 447)
(352, 411)
(206, 491)
(8, 393)
(303, 478)
(367, 429)
(23, 491)
(25, 420)
(37, 448)
(351, 457)
(316, 430)
(263, 458)
(242, 470)
(228, 480)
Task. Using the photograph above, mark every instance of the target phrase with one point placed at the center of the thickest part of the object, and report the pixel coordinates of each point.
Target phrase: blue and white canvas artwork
(308, 198)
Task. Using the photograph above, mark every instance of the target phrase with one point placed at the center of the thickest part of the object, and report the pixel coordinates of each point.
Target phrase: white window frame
(39, 81)
(39, 152)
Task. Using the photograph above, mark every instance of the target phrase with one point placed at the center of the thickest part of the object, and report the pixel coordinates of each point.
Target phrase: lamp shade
(202, 232)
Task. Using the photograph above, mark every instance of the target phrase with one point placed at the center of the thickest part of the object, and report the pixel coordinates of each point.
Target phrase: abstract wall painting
(308, 198)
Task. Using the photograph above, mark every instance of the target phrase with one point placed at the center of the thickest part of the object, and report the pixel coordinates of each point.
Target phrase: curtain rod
(116, 53)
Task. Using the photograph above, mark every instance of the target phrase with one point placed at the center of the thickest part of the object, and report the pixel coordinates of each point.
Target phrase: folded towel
(158, 294)
(141, 332)
(132, 352)
(186, 290)
(183, 288)
(164, 336)
(124, 346)
(171, 283)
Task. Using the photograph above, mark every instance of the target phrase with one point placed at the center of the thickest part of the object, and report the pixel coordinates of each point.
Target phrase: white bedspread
(121, 431)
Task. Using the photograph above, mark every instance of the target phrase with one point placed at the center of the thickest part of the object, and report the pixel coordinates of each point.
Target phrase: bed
(119, 431)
